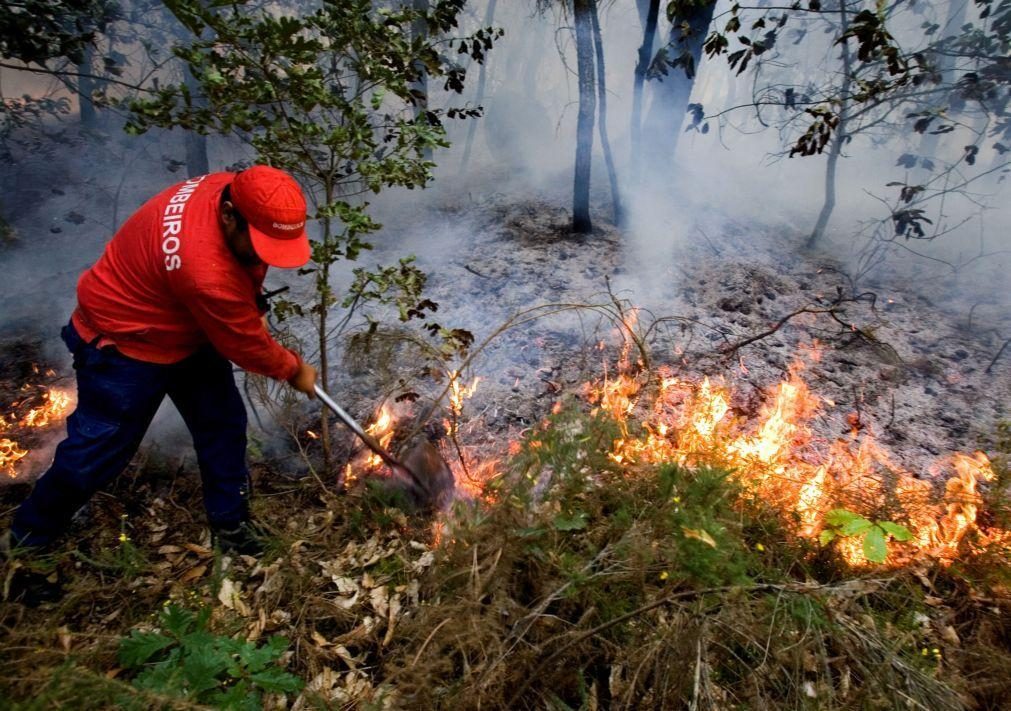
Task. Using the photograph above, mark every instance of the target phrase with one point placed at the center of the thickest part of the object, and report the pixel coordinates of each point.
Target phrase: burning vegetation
(648, 522)
(38, 409)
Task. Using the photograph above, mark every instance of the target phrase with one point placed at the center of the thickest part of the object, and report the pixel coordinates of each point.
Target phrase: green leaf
(837, 518)
(257, 658)
(896, 531)
(827, 536)
(856, 527)
(176, 620)
(139, 647)
(875, 547)
(240, 697)
(575, 522)
(203, 667)
(847, 523)
(276, 680)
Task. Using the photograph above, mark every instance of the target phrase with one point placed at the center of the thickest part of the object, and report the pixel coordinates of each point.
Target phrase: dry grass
(583, 593)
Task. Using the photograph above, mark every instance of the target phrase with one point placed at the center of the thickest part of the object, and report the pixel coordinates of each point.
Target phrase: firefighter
(168, 308)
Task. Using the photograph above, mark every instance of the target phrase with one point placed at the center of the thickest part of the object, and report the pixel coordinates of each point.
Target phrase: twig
(698, 673)
(715, 249)
(429, 639)
(475, 272)
(999, 353)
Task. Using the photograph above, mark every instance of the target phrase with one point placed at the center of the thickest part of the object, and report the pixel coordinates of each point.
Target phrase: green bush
(184, 659)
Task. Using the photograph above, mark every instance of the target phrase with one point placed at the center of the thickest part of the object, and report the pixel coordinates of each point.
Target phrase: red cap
(272, 203)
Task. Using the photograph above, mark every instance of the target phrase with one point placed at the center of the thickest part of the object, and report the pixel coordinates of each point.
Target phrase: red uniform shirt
(168, 283)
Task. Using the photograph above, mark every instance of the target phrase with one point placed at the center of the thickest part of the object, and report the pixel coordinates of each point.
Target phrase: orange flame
(9, 454)
(457, 395)
(382, 430)
(55, 407)
(780, 460)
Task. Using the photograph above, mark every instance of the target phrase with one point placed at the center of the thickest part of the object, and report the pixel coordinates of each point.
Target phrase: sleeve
(234, 327)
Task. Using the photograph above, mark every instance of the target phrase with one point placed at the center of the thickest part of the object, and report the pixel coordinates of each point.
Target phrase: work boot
(19, 581)
(246, 538)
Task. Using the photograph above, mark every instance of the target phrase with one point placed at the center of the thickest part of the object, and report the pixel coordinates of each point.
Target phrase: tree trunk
(482, 76)
(828, 206)
(667, 113)
(605, 142)
(85, 87)
(643, 6)
(835, 147)
(323, 303)
(639, 79)
(584, 127)
(419, 30)
(196, 143)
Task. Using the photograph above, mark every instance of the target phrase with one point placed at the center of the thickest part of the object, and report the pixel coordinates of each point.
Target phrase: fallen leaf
(392, 619)
(699, 534)
(201, 551)
(319, 639)
(379, 598)
(949, 635)
(165, 550)
(193, 573)
(423, 562)
(346, 657)
(65, 637)
(228, 594)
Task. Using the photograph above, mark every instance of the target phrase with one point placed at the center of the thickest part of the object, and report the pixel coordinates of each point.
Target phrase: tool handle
(365, 437)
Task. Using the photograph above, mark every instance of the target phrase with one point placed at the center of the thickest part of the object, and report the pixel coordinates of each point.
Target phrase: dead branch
(999, 354)
(832, 310)
(475, 272)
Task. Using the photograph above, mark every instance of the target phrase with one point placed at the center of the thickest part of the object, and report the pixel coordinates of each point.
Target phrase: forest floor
(605, 582)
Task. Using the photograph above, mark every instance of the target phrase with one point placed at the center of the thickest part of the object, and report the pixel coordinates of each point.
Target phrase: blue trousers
(117, 397)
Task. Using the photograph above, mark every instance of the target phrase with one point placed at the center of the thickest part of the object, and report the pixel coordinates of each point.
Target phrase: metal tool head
(429, 481)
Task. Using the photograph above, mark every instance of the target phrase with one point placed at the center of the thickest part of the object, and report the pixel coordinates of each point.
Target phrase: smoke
(739, 170)
(732, 187)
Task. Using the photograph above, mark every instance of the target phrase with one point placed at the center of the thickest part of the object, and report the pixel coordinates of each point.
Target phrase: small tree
(331, 96)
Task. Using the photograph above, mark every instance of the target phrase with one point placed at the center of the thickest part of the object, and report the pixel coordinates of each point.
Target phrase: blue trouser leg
(203, 389)
(116, 399)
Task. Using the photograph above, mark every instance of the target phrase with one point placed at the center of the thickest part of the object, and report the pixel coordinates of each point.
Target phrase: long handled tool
(426, 473)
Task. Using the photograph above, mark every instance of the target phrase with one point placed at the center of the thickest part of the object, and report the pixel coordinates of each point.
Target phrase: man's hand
(304, 380)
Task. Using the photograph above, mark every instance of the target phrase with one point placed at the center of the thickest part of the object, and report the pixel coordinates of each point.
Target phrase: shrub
(182, 658)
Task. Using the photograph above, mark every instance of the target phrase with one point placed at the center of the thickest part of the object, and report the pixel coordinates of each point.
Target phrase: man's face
(236, 232)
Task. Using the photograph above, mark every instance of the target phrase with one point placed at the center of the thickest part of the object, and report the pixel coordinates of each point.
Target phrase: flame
(457, 395)
(9, 454)
(57, 402)
(779, 459)
(54, 408)
(382, 430)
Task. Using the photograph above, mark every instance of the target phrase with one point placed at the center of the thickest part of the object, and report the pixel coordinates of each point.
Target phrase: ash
(912, 363)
